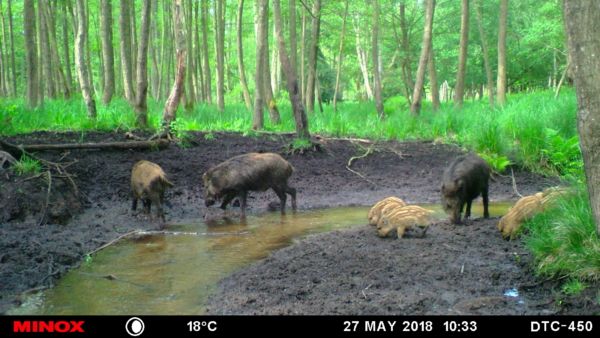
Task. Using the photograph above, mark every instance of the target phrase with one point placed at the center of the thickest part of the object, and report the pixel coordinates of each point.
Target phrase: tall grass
(563, 239)
(532, 129)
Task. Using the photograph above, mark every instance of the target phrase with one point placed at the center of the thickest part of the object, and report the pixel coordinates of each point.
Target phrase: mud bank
(34, 256)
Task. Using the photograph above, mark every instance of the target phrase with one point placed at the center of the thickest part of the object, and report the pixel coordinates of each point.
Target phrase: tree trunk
(362, 60)
(67, 50)
(415, 106)
(107, 50)
(302, 56)
(190, 92)
(462, 56)
(40, 51)
(205, 64)
(200, 85)
(339, 58)
(484, 50)
(177, 90)
(406, 61)
(220, 50)
(291, 78)
(261, 49)
(134, 43)
(268, 90)
(375, 58)
(80, 63)
(312, 57)
(433, 83)
(141, 107)
(4, 73)
(293, 43)
(61, 82)
(501, 77)
(12, 50)
(240, 55)
(31, 53)
(582, 19)
(126, 50)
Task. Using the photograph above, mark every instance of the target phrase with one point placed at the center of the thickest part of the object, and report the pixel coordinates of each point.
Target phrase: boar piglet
(248, 172)
(462, 182)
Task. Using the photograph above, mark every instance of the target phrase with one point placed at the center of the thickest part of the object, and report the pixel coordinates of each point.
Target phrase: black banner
(337, 326)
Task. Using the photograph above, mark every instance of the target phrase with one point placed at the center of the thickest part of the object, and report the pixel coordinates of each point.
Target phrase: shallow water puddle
(175, 273)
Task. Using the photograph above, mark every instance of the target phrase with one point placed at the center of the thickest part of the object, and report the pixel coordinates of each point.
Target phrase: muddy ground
(452, 270)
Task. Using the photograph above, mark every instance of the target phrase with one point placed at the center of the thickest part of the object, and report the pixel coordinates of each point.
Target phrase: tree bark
(170, 110)
(220, 50)
(67, 50)
(205, 64)
(375, 58)
(302, 131)
(582, 19)
(406, 62)
(141, 107)
(62, 84)
(31, 53)
(40, 50)
(433, 83)
(268, 90)
(293, 40)
(126, 50)
(501, 77)
(302, 56)
(339, 58)
(80, 63)
(362, 60)
(415, 106)
(312, 57)
(12, 50)
(240, 55)
(484, 50)
(190, 92)
(107, 50)
(462, 56)
(261, 48)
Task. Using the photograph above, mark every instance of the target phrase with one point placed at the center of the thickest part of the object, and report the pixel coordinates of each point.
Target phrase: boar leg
(468, 212)
(147, 205)
(292, 192)
(282, 197)
(401, 231)
(243, 195)
(134, 203)
(486, 201)
(226, 200)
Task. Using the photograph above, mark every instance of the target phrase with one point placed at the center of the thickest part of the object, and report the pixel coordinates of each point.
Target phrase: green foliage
(562, 154)
(497, 162)
(563, 239)
(209, 136)
(27, 166)
(573, 287)
(395, 104)
(299, 144)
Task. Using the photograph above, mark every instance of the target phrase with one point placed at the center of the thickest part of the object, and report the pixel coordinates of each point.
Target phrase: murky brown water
(175, 273)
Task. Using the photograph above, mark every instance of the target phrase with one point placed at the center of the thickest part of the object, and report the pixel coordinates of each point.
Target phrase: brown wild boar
(148, 183)
(248, 172)
(404, 218)
(378, 208)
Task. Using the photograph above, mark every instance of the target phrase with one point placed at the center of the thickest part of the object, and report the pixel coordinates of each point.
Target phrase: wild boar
(404, 218)
(148, 183)
(523, 210)
(378, 208)
(248, 172)
(464, 180)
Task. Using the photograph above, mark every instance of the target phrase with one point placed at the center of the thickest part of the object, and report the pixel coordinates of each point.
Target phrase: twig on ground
(369, 151)
(361, 176)
(49, 177)
(514, 183)
(127, 234)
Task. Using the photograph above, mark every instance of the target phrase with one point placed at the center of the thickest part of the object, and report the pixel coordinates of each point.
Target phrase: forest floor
(453, 270)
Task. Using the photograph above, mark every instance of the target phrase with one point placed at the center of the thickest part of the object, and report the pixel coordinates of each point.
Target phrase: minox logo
(60, 326)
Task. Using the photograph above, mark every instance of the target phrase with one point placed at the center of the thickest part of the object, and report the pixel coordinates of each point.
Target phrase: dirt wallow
(36, 250)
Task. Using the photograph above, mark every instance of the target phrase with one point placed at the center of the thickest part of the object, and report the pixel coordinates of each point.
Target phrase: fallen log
(155, 144)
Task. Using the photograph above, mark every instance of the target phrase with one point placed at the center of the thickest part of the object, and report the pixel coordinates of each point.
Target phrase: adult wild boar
(462, 182)
(148, 183)
(248, 172)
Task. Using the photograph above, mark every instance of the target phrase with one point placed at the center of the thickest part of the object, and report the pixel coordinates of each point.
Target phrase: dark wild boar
(462, 182)
(148, 183)
(248, 172)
